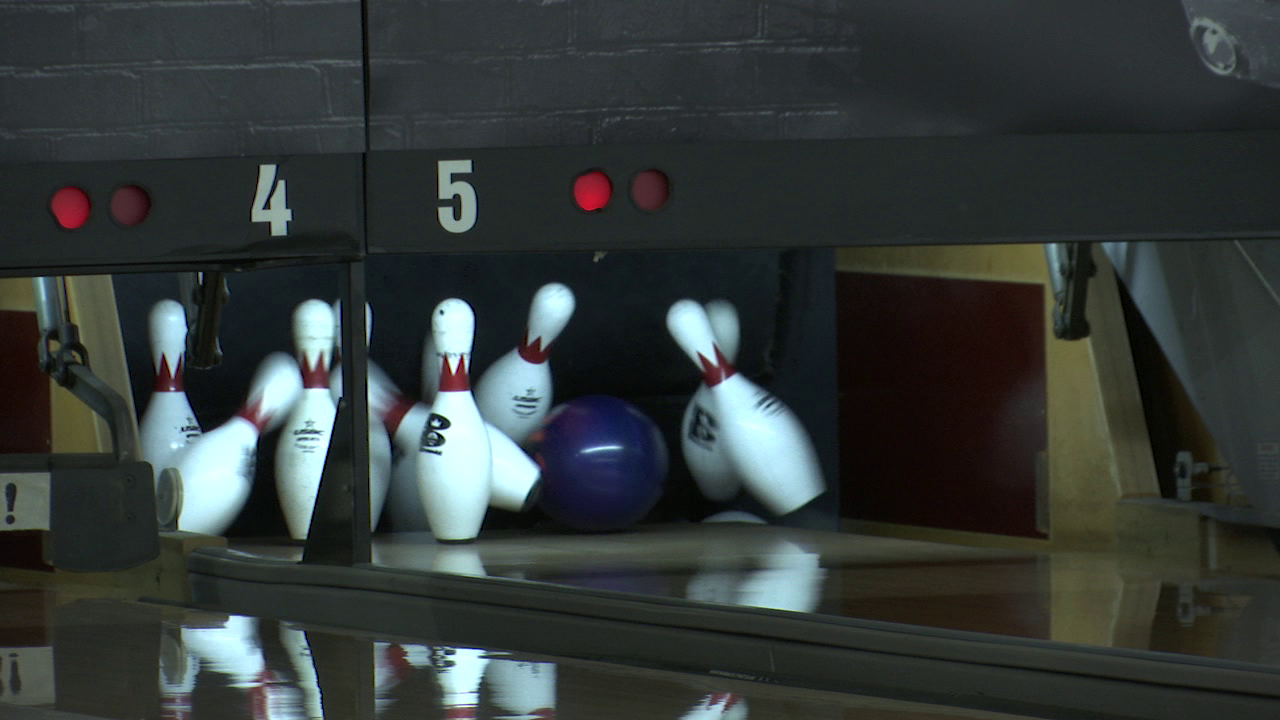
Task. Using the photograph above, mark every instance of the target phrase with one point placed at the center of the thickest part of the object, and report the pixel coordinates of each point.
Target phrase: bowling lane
(1095, 599)
(70, 656)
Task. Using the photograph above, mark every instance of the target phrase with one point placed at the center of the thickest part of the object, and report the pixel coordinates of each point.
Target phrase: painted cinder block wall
(179, 79)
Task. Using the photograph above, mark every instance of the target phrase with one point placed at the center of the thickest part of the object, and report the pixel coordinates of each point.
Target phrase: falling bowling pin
(216, 469)
(514, 481)
(455, 463)
(168, 424)
(707, 462)
(379, 442)
(765, 441)
(514, 393)
(304, 439)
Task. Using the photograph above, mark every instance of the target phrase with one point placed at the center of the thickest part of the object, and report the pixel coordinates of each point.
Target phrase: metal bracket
(1070, 267)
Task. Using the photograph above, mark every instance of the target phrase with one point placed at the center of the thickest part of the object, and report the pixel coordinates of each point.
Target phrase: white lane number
(457, 214)
(270, 201)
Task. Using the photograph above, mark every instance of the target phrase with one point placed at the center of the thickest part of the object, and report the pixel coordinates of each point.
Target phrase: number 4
(270, 204)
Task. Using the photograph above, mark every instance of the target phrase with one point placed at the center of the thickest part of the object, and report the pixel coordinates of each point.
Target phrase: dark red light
(130, 205)
(650, 190)
(592, 190)
(70, 207)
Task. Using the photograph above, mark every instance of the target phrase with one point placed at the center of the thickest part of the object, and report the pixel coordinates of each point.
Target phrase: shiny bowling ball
(603, 463)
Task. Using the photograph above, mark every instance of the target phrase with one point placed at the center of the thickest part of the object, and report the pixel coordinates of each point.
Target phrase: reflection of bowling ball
(603, 463)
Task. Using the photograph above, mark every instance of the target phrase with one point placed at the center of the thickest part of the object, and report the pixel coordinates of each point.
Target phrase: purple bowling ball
(603, 463)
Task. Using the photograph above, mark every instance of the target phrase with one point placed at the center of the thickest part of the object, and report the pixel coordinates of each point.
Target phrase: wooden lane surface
(113, 658)
(1100, 599)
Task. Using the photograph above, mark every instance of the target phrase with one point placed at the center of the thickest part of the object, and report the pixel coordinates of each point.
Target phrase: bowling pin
(765, 441)
(168, 424)
(718, 706)
(216, 469)
(379, 442)
(459, 670)
(177, 676)
(455, 464)
(514, 393)
(294, 641)
(790, 579)
(514, 481)
(304, 439)
(523, 690)
(707, 462)
(231, 649)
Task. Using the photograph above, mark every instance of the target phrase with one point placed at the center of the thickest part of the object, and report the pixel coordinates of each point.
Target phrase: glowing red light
(592, 190)
(650, 190)
(70, 207)
(130, 205)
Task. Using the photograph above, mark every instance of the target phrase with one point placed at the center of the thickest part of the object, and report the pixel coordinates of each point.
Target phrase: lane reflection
(118, 659)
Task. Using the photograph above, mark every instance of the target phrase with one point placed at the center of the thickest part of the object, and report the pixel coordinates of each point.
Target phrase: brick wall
(179, 78)
(455, 73)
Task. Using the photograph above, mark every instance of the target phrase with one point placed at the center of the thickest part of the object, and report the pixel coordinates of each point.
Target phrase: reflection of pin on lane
(216, 470)
(304, 440)
(765, 441)
(168, 424)
(459, 671)
(718, 706)
(523, 690)
(707, 461)
(295, 643)
(455, 464)
(514, 393)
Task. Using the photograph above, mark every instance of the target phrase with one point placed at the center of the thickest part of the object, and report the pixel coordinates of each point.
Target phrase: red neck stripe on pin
(168, 380)
(454, 380)
(534, 352)
(252, 411)
(715, 373)
(400, 407)
(315, 374)
(460, 712)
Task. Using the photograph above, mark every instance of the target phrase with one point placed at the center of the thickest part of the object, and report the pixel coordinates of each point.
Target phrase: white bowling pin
(707, 462)
(790, 579)
(515, 476)
(523, 690)
(216, 469)
(178, 670)
(231, 649)
(168, 424)
(459, 672)
(514, 393)
(455, 464)
(765, 441)
(390, 668)
(718, 706)
(294, 641)
(304, 439)
(379, 442)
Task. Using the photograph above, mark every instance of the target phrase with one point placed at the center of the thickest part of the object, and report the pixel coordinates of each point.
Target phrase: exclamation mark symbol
(10, 499)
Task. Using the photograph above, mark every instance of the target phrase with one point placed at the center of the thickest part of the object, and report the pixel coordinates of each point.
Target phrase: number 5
(270, 204)
(459, 216)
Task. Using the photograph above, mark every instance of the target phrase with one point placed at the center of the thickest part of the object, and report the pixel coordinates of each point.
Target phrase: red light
(592, 190)
(650, 190)
(70, 207)
(130, 205)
